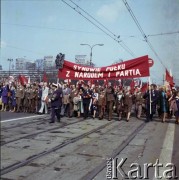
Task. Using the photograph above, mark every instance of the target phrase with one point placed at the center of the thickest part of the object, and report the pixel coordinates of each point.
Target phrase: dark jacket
(56, 100)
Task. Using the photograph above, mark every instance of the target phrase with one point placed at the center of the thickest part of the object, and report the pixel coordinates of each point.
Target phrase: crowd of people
(84, 100)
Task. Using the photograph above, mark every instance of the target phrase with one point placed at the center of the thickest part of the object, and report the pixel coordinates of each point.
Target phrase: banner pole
(150, 96)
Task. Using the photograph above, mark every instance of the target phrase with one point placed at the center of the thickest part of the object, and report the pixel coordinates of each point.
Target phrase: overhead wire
(124, 46)
(45, 27)
(142, 32)
(116, 36)
(162, 34)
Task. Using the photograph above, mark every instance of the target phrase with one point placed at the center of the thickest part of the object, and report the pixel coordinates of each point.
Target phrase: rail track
(44, 153)
(92, 174)
(2, 143)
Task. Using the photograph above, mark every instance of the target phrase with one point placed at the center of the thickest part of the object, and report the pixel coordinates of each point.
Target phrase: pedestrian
(5, 90)
(151, 97)
(19, 96)
(26, 98)
(110, 99)
(138, 102)
(102, 104)
(120, 103)
(56, 102)
(13, 99)
(95, 97)
(163, 104)
(128, 102)
(44, 99)
(77, 103)
(175, 107)
(87, 94)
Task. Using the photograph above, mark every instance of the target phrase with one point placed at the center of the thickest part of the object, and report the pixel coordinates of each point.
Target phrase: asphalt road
(81, 159)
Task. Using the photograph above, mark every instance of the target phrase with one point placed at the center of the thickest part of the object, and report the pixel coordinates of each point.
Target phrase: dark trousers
(55, 112)
(149, 115)
(86, 107)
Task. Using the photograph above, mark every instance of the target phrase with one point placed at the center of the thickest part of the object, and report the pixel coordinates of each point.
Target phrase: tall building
(0, 67)
(30, 66)
(39, 64)
(49, 62)
(20, 64)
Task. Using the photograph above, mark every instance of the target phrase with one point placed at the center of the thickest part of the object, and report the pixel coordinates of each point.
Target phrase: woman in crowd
(128, 101)
(175, 107)
(13, 99)
(5, 90)
(94, 102)
(77, 103)
(163, 104)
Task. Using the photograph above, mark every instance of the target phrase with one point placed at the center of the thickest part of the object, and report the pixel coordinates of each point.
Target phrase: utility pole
(91, 48)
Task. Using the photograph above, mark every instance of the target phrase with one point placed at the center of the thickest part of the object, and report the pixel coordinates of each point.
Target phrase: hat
(55, 85)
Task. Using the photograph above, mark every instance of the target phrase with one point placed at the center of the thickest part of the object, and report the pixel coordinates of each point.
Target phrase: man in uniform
(56, 102)
(19, 96)
(110, 100)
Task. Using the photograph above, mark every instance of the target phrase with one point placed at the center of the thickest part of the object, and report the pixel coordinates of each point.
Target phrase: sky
(37, 28)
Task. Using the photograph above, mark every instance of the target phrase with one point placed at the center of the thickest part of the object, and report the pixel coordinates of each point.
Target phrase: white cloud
(3, 44)
(111, 12)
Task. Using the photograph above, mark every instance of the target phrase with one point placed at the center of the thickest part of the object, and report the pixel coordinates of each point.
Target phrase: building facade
(20, 64)
(49, 62)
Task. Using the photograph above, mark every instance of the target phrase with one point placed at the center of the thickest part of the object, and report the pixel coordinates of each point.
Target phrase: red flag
(23, 80)
(169, 78)
(144, 88)
(45, 77)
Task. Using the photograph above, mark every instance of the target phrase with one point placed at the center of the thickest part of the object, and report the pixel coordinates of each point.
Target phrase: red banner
(135, 68)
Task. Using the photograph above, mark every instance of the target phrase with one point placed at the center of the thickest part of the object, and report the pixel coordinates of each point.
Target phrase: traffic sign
(151, 62)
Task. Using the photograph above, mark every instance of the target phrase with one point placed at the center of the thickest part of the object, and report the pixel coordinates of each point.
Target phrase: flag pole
(150, 95)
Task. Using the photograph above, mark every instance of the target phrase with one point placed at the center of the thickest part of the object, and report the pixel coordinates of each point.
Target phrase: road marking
(16, 119)
(167, 149)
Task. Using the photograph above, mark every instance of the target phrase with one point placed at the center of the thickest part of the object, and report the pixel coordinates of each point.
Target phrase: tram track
(20, 164)
(2, 143)
(92, 174)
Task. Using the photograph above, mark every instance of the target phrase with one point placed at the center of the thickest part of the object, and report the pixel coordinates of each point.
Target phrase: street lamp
(10, 60)
(91, 47)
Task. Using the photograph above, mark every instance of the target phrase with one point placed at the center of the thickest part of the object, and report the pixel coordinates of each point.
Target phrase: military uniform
(26, 100)
(138, 103)
(101, 105)
(110, 99)
(32, 96)
(19, 97)
(71, 103)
